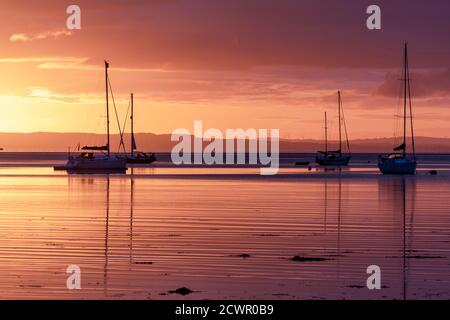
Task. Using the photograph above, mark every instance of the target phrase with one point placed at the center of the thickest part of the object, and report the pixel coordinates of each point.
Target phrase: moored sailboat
(335, 157)
(399, 162)
(137, 156)
(96, 158)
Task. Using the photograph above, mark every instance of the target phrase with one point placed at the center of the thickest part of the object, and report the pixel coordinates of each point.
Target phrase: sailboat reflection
(407, 229)
(396, 192)
(339, 222)
(325, 206)
(336, 207)
(105, 272)
(131, 215)
(107, 234)
(131, 260)
(337, 200)
(107, 222)
(405, 278)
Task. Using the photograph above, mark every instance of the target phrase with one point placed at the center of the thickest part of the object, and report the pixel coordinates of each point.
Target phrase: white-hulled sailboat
(399, 162)
(337, 157)
(103, 160)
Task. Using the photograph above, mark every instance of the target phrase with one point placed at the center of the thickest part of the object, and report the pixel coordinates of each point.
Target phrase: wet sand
(224, 233)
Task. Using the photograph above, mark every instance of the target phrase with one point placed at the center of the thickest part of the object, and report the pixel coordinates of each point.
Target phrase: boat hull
(97, 164)
(141, 160)
(397, 166)
(339, 161)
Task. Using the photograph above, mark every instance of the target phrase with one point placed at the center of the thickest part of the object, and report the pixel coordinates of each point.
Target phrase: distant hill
(60, 142)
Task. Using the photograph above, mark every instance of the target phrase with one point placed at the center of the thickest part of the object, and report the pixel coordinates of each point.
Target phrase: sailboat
(399, 162)
(102, 160)
(335, 157)
(138, 156)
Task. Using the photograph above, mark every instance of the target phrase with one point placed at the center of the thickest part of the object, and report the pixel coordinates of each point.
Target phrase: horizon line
(168, 134)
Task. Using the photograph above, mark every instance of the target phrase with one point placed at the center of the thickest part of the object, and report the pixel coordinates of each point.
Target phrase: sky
(274, 64)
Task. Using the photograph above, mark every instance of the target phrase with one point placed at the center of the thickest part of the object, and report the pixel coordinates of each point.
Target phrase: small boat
(100, 161)
(302, 163)
(141, 157)
(399, 162)
(335, 157)
(89, 161)
(138, 156)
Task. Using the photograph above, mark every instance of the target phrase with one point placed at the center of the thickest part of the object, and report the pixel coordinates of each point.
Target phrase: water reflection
(193, 233)
(384, 237)
(333, 207)
(399, 195)
(325, 197)
(107, 226)
(105, 273)
(131, 213)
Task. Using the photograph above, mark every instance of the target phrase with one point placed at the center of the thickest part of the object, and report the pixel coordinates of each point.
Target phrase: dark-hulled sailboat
(399, 162)
(137, 156)
(335, 157)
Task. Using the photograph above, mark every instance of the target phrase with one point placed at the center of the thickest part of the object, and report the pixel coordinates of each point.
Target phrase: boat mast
(107, 105)
(326, 135)
(340, 131)
(405, 85)
(132, 126)
(410, 109)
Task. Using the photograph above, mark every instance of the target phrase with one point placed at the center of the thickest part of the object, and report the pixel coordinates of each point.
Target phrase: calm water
(223, 232)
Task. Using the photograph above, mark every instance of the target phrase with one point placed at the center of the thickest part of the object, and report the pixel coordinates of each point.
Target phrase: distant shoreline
(310, 153)
(161, 143)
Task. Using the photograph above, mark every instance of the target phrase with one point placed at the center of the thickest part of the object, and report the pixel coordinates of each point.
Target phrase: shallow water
(154, 230)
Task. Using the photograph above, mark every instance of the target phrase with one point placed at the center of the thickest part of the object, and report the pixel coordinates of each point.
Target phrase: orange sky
(232, 64)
